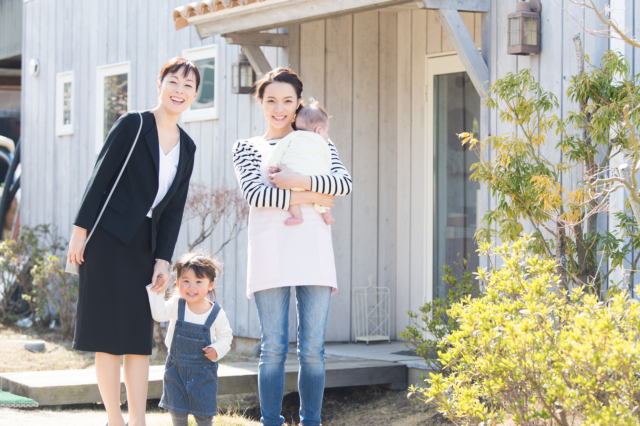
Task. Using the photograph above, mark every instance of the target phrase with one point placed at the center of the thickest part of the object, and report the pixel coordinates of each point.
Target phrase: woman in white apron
(281, 257)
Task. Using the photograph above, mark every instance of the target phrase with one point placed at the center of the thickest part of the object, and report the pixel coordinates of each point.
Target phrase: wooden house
(399, 77)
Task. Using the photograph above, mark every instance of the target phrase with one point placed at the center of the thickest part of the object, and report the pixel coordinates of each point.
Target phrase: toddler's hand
(210, 353)
(159, 284)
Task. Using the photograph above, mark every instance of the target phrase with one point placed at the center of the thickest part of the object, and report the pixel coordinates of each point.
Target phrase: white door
(453, 107)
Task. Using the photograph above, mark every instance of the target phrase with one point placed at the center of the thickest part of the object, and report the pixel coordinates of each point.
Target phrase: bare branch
(212, 206)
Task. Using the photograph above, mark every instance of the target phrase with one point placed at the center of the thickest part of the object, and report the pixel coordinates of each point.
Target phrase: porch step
(65, 387)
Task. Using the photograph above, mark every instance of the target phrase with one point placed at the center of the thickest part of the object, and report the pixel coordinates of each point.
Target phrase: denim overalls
(190, 382)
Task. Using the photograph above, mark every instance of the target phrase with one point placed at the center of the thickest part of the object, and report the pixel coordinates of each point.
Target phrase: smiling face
(279, 104)
(193, 288)
(177, 91)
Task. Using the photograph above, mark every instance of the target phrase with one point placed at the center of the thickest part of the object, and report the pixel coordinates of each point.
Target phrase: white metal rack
(371, 313)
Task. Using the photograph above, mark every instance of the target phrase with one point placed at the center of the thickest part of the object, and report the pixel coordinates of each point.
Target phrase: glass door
(454, 108)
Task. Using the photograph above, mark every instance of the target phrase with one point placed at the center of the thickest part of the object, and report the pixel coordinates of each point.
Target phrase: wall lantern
(242, 74)
(524, 28)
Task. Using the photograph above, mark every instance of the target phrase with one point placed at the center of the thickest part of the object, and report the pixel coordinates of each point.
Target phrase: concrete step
(65, 387)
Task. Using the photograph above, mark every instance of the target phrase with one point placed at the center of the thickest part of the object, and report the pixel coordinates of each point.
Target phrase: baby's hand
(210, 353)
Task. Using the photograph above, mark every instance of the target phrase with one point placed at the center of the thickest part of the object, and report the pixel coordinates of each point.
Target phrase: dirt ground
(58, 354)
(362, 406)
(356, 406)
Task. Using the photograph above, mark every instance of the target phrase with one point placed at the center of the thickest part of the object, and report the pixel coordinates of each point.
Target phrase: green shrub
(528, 350)
(35, 263)
(15, 256)
(54, 291)
(428, 331)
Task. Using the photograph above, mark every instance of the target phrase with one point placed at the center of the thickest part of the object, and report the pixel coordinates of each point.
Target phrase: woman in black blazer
(134, 241)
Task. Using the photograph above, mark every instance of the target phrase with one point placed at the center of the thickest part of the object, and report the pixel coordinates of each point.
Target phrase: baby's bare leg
(328, 219)
(296, 216)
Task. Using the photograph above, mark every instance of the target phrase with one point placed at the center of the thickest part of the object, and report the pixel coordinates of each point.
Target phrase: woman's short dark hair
(281, 75)
(174, 65)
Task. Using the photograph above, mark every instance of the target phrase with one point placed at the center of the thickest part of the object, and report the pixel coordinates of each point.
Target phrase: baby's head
(196, 274)
(313, 118)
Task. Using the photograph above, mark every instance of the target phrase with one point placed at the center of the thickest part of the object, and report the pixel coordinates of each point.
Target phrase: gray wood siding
(368, 70)
(10, 28)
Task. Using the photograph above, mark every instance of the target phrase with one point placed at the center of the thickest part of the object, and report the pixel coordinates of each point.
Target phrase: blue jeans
(312, 303)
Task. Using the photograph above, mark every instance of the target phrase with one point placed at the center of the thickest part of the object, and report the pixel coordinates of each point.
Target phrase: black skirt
(113, 307)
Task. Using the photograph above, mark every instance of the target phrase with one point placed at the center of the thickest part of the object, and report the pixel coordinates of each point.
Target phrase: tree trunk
(581, 245)
(591, 167)
(561, 250)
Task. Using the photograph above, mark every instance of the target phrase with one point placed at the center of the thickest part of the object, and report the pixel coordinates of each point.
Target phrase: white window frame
(197, 54)
(102, 72)
(62, 78)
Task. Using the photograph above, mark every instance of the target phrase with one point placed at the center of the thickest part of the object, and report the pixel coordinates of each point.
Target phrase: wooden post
(466, 49)
(257, 59)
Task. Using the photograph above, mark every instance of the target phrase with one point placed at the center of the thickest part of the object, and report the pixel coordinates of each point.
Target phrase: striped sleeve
(338, 182)
(246, 161)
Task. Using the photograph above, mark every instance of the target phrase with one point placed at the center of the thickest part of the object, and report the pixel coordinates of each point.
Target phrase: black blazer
(138, 185)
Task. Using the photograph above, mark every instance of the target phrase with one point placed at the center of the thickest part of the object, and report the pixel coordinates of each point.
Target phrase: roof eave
(280, 13)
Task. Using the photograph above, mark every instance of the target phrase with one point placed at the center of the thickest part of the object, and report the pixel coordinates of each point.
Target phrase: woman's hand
(322, 199)
(161, 277)
(283, 178)
(309, 197)
(75, 254)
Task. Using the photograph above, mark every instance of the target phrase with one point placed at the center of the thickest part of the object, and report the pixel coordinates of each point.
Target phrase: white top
(305, 153)
(286, 256)
(168, 168)
(167, 310)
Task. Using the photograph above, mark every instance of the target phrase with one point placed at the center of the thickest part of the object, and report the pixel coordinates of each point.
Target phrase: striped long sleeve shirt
(247, 160)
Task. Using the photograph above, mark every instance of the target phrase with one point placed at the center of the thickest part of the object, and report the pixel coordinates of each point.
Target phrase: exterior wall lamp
(524, 28)
(242, 75)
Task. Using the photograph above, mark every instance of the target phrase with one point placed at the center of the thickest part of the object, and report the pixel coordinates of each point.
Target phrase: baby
(306, 152)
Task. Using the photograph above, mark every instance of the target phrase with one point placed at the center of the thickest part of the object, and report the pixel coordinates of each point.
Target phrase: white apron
(287, 256)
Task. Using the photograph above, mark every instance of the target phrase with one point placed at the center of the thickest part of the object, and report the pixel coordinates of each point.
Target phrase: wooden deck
(65, 387)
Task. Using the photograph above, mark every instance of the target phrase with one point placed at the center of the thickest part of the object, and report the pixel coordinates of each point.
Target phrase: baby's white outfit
(305, 153)
(167, 310)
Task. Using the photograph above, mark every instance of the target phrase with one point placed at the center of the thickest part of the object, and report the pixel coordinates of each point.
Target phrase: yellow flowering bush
(530, 351)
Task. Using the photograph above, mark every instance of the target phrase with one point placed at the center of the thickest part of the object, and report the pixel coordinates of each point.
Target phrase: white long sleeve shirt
(167, 310)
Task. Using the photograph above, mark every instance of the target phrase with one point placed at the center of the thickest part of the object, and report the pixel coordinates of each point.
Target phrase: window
(205, 107)
(64, 103)
(456, 105)
(112, 98)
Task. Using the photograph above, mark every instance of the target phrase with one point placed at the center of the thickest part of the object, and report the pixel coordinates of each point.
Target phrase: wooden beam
(258, 39)
(460, 5)
(261, 16)
(257, 59)
(466, 49)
